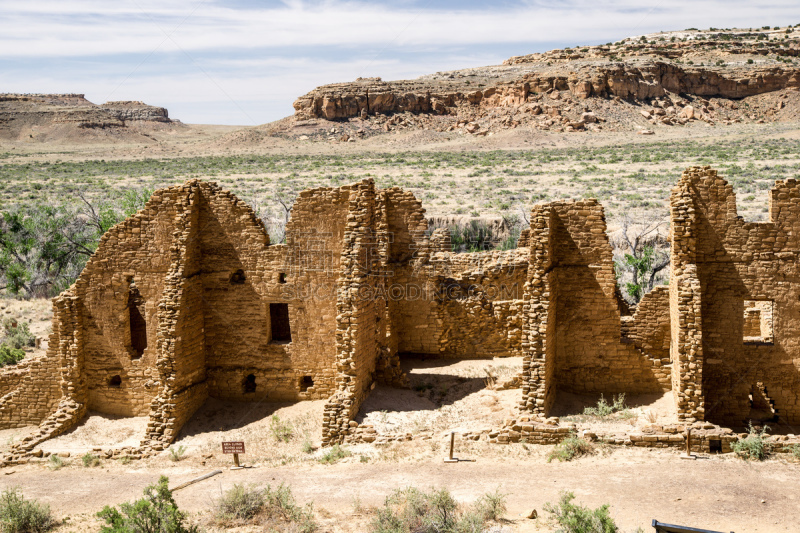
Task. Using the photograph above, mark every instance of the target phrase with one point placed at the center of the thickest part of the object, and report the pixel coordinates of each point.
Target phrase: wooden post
(236, 459)
(451, 459)
(452, 439)
(688, 441)
(688, 445)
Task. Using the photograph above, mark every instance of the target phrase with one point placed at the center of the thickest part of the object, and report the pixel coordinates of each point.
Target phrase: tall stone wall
(573, 324)
(738, 266)
(188, 299)
(357, 343)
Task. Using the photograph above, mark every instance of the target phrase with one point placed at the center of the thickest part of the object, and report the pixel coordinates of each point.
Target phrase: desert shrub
(18, 515)
(570, 448)
(55, 462)
(10, 356)
(573, 518)
(17, 334)
(281, 430)
(795, 451)
(412, 510)
(334, 454)
(754, 446)
(156, 512)
(43, 247)
(248, 504)
(176, 453)
(491, 506)
(307, 446)
(474, 236)
(604, 409)
(90, 460)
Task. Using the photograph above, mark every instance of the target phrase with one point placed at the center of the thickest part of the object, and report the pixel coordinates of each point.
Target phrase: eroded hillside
(71, 117)
(659, 80)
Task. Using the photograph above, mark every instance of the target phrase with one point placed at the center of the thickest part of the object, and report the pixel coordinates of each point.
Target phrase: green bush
(754, 446)
(176, 453)
(492, 505)
(10, 356)
(574, 518)
(18, 515)
(282, 431)
(245, 504)
(55, 462)
(570, 448)
(90, 460)
(795, 451)
(155, 513)
(604, 409)
(17, 334)
(411, 510)
(334, 454)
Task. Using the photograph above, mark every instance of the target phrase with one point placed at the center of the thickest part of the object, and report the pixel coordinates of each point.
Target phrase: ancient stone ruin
(188, 299)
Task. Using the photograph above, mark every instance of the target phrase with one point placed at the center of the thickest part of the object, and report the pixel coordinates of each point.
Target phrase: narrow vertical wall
(686, 333)
(356, 340)
(538, 319)
(182, 388)
(53, 393)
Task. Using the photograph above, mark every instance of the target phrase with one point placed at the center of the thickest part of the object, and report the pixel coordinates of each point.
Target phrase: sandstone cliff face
(135, 111)
(652, 79)
(732, 66)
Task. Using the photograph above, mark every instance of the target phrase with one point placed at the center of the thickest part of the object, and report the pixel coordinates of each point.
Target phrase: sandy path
(720, 493)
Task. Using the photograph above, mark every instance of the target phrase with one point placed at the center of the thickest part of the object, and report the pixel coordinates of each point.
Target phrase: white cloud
(192, 56)
(88, 27)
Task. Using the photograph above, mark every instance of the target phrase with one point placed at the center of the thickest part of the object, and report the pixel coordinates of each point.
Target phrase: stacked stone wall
(735, 262)
(574, 330)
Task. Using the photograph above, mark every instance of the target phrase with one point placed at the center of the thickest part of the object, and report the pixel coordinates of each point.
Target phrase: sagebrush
(411, 510)
(570, 448)
(156, 512)
(18, 515)
(754, 446)
(243, 504)
(573, 518)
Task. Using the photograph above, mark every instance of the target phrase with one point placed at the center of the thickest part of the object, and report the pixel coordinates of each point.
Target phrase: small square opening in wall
(115, 381)
(306, 382)
(249, 384)
(238, 277)
(758, 322)
(279, 323)
(282, 277)
(714, 446)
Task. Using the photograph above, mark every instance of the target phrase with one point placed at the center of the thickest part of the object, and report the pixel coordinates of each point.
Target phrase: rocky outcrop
(729, 65)
(125, 111)
(651, 79)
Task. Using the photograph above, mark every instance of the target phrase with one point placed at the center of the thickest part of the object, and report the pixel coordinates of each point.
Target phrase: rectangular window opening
(306, 383)
(714, 446)
(138, 331)
(282, 277)
(279, 322)
(758, 322)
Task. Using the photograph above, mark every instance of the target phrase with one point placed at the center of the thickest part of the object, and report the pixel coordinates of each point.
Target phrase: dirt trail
(720, 493)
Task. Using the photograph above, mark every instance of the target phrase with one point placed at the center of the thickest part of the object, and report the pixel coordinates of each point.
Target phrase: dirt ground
(720, 492)
(282, 445)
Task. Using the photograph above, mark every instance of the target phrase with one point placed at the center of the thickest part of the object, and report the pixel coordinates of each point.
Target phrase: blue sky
(245, 61)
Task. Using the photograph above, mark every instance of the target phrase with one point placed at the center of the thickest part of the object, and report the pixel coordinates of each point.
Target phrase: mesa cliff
(50, 117)
(661, 74)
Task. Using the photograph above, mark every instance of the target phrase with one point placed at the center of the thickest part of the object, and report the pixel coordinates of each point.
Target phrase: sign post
(234, 448)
